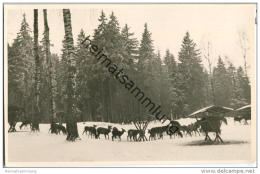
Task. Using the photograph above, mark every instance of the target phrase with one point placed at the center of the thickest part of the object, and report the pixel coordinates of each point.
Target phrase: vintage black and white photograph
(129, 84)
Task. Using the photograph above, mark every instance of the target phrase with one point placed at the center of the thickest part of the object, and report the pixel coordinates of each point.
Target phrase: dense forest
(45, 84)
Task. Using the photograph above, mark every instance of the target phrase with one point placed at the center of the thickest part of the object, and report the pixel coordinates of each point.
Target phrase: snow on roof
(244, 107)
(210, 108)
(201, 110)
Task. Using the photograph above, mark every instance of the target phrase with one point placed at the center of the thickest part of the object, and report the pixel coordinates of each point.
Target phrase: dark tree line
(83, 89)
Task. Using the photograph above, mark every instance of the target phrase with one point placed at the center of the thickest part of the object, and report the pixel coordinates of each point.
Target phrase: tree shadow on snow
(204, 143)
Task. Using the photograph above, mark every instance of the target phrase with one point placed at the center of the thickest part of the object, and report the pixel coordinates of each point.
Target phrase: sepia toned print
(129, 84)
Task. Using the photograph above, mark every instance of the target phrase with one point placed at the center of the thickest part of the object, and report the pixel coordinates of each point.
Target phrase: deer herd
(203, 125)
(155, 133)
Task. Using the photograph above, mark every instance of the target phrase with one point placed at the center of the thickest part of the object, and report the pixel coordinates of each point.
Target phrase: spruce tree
(126, 102)
(175, 94)
(83, 64)
(191, 75)
(242, 88)
(21, 69)
(146, 47)
(129, 45)
(223, 84)
(144, 66)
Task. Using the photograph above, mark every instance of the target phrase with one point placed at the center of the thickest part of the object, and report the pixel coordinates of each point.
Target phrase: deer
(54, 128)
(92, 131)
(174, 128)
(194, 128)
(185, 130)
(117, 134)
(14, 113)
(132, 134)
(157, 132)
(238, 119)
(26, 123)
(152, 134)
(62, 129)
(104, 131)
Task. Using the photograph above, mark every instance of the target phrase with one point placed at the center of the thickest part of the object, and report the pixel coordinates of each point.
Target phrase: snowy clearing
(25, 146)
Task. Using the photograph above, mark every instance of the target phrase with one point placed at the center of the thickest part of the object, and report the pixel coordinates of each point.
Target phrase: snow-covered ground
(45, 147)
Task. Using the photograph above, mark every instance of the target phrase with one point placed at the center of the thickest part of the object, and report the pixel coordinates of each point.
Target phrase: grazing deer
(132, 134)
(185, 130)
(14, 112)
(160, 131)
(238, 119)
(190, 129)
(116, 133)
(57, 129)
(26, 123)
(62, 129)
(174, 128)
(157, 132)
(54, 128)
(104, 131)
(194, 128)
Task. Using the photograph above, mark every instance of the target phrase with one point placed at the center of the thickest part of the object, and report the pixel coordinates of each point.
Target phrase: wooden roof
(210, 109)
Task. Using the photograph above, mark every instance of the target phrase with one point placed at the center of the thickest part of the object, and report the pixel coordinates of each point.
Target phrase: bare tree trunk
(110, 102)
(244, 45)
(35, 119)
(71, 120)
(210, 73)
(103, 110)
(49, 68)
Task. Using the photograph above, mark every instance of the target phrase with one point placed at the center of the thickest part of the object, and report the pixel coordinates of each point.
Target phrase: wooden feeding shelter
(244, 113)
(142, 124)
(218, 111)
(211, 118)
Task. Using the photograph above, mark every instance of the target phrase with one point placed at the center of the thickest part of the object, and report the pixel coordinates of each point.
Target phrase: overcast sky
(168, 24)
